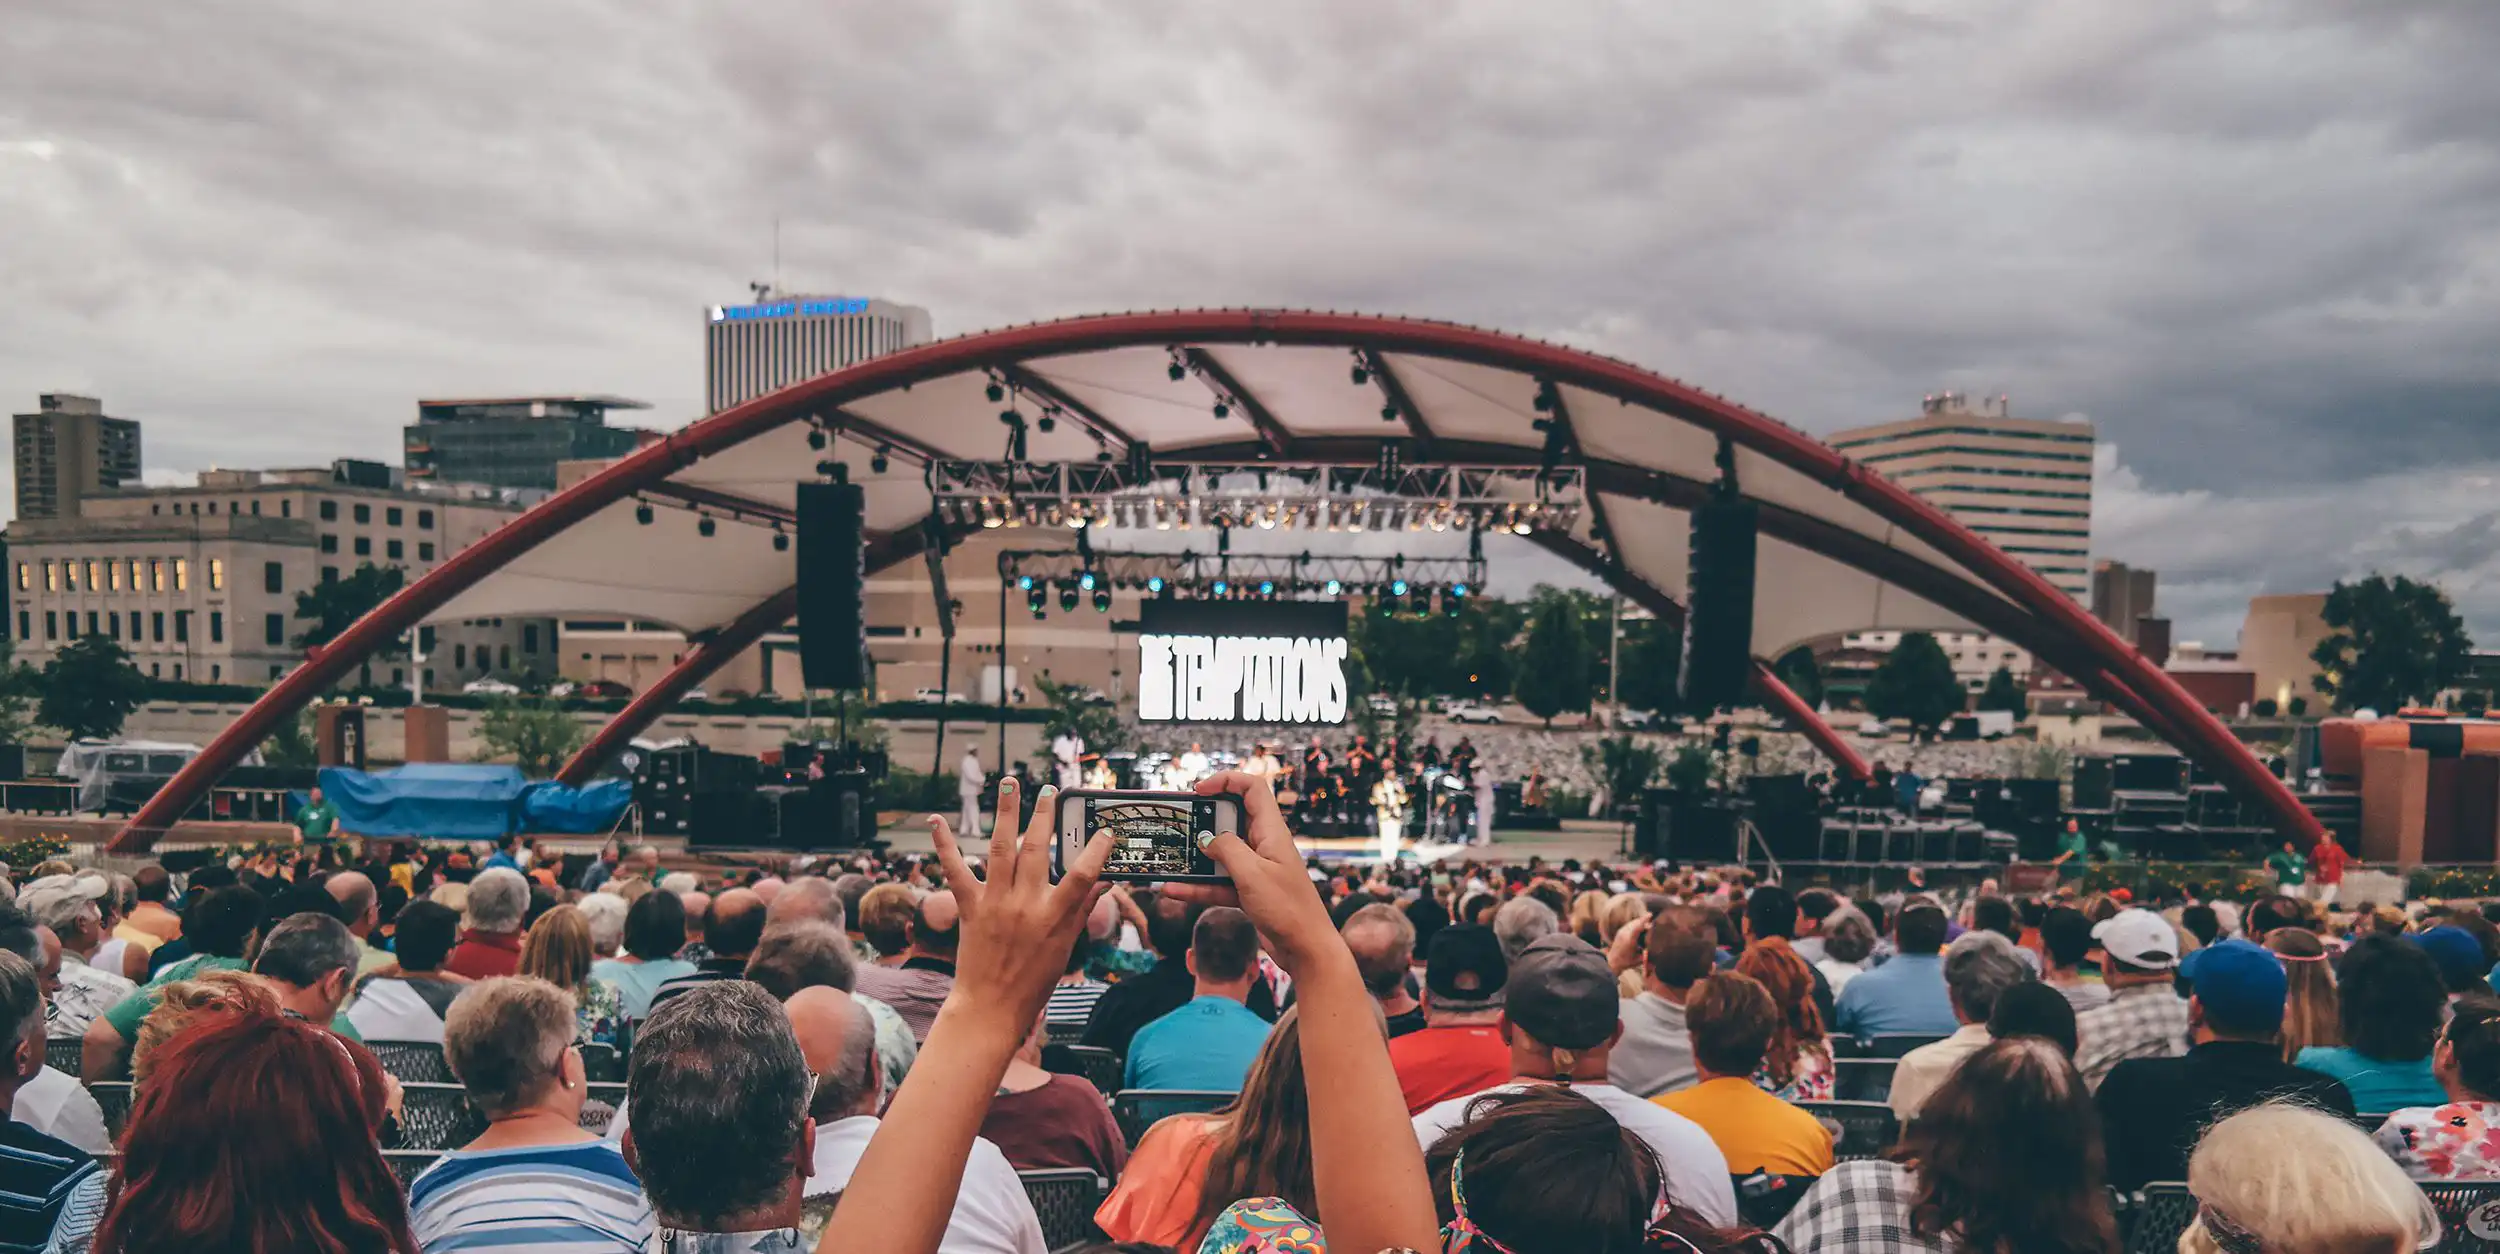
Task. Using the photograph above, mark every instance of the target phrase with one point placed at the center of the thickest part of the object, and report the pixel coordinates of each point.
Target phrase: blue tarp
(432, 800)
(554, 807)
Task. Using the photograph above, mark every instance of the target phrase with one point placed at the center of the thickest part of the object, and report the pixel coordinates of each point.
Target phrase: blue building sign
(790, 309)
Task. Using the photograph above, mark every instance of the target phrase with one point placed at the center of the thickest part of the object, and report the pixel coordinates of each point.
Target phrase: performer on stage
(1067, 756)
(969, 779)
(1389, 808)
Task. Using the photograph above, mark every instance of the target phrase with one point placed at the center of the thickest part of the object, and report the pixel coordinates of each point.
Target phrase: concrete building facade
(2122, 596)
(2275, 642)
(2023, 483)
(67, 449)
(750, 350)
(199, 583)
(512, 442)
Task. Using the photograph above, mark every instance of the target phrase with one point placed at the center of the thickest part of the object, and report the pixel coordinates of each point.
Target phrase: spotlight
(1222, 588)
(1267, 587)
(1334, 587)
(705, 526)
(642, 513)
(1177, 371)
(1397, 587)
(1086, 581)
(1388, 413)
(1102, 600)
(1011, 418)
(1154, 584)
(1223, 410)
(1025, 582)
(781, 541)
(1362, 376)
(1039, 616)
(816, 438)
(1047, 424)
(1421, 602)
(1033, 601)
(996, 393)
(878, 463)
(1067, 595)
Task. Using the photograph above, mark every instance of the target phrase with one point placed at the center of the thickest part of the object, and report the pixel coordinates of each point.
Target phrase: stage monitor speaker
(2092, 783)
(1717, 666)
(833, 615)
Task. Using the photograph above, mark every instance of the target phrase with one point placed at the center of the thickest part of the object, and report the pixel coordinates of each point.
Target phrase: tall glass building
(751, 350)
(514, 441)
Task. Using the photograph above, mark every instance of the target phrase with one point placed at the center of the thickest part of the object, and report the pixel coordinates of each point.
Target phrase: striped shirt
(579, 1199)
(1072, 1004)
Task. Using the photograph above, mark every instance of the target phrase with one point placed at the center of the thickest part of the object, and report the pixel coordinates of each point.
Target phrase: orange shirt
(1437, 1064)
(1157, 1197)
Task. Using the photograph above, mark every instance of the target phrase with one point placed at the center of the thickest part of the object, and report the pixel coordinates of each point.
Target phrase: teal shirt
(2376, 1084)
(316, 820)
(126, 1014)
(1207, 1044)
(635, 982)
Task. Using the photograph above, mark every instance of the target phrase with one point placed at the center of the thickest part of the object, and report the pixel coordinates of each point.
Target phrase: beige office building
(2023, 483)
(199, 583)
(2276, 640)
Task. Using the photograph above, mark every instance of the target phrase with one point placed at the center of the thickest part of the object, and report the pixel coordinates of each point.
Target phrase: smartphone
(1154, 835)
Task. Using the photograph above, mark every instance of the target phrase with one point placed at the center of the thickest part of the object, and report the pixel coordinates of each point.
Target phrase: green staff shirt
(2290, 869)
(316, 820)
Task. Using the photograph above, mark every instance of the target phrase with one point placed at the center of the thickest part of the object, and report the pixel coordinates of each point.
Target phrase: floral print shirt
(2458, 1141)
(1811, 1081)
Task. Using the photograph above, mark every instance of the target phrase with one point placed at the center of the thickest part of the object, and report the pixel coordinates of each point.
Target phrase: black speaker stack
(1717, 665)
(2092, 783)
(695, 792)
(1684, 827)
(833, 616)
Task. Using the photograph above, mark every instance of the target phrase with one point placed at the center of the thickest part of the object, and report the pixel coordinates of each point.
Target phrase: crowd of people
(1525, 1059)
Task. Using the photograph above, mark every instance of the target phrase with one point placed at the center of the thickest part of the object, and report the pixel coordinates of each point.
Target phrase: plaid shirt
(1862, 1207)
(2146, 1021)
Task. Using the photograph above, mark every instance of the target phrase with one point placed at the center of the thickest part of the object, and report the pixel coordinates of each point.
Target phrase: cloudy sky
(2257, 243)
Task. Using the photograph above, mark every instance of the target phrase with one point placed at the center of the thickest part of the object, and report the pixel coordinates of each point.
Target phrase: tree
(20, 687)
(1650, 663)
(1803, 675)
(2391, 642)
(1554, 672)
(290, 743)
(1624, 765)
(90, 688)
(330, 606)
(537, 735)
(1915, 684)
(1093, 721)
(2002, 693)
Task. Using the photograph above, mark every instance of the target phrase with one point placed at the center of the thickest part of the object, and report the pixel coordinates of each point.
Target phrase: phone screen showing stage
(1153, 837)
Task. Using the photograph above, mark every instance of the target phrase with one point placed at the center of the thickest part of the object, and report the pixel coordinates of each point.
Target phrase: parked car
(1874, 729)
(562, 688)
(934, 696)
(604, 690)
(1470, 712)
(1084, 695)
(1639, 720)
(1384, 706)
(696, 694)
(490, 688)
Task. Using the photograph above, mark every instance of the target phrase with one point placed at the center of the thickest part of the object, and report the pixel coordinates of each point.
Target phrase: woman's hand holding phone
(1018, 925)
(1270, 880)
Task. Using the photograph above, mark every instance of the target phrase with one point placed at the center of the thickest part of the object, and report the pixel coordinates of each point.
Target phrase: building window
(113, 621)
(329, 511)
(215, 672)
(329, 544)
(156, 626)
(273, 577)
(507, 657)
(255, 509)
(460, 657)
(364, 546)
(393, 550)
(51, 580)
(425, 550)
(25, 578)
(69, 576)
(93, 584)
(216, 626)
(25, 624)
(182, 574)
(364, 513)
(134, 574)
(286, 509)
(392, 515)
(177, 672)
(212, 509)
(156, 670)
(216, 574)
(529, 637)
(276, 626)
(51, 624)
(93, 628)
(156, 509)
(425, 520)
(156, 575)
(113, 577)
(329, 574)
(182, 626)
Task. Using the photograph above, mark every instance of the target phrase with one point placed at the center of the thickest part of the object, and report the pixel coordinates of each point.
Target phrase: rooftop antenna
(776, 252)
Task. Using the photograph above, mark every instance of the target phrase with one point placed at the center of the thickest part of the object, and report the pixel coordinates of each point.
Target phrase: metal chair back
(1140, 1109)
(437, 1117)
(1859, 1129)
(1065, 1200)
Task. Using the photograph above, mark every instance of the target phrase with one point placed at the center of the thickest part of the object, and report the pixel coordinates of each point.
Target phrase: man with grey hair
(717, 1121)
(51, 1102)
(66, 904)
(43, 1169)
(1978, 968)
(813, 954)
(605, 913)
(993, 1215)
(1520, 921)
(311, 958)
(1383, 941)
(807, 899)
(490, 935)
(360, 907)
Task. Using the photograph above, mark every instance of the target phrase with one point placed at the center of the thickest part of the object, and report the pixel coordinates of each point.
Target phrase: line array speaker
(833, 617)
(1717, 665)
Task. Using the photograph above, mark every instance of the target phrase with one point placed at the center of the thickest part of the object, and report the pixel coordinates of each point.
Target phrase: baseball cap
(2459, 955)
(1561, 993)
(1464, 968)
(2240, 984)
(2139, 938)
(46, 897)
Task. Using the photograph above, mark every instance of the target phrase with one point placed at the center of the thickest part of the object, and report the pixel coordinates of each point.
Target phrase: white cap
(2139, 938)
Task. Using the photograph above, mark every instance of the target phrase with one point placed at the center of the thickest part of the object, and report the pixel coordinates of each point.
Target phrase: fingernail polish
(1205, 839)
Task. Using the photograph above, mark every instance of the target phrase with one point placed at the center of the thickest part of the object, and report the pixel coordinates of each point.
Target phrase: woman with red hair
(1798, 1065)
(258, 1134)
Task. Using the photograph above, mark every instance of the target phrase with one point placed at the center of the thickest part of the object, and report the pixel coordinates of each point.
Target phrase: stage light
(1335, 588)
(1388, 413)
(1222, 588)
(781, 541)
(704, 526)
(1047, 424)
(996, 392)
(1223, 410)
(1177, 371)
(1154, 584)
(1102, 600)
(1458, 590)
(1362, 376)
(642, 513)
(878, 463)
(1397, 587)
(1033, 600)
(1025, 582)
(1267, 587)
(816, 437)
(1067, 595)
(1086, 581)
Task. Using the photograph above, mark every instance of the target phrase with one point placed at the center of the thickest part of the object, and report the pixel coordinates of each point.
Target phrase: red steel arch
(2177, 715)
